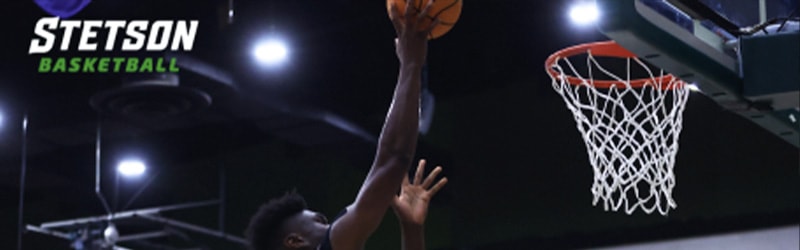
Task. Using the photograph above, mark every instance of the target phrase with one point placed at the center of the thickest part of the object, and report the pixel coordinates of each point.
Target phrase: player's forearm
(399, 135)
(395, 154)
(412, 236)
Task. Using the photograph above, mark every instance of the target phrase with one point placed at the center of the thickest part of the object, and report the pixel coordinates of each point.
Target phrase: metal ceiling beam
(127, 214)
(194, 228)
(143, 236)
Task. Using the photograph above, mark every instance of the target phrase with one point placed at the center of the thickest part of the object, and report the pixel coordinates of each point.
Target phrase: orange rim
(604, 49)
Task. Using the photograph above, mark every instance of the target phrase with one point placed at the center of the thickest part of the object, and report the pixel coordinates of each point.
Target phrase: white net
(631, 131)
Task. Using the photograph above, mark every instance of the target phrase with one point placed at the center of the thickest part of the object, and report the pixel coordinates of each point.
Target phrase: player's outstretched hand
(412, 39)
(411, 206)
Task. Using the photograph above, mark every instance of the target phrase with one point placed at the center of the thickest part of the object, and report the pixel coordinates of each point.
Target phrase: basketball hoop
(630, 126)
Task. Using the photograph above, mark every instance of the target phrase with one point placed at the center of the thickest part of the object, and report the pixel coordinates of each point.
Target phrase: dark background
(518, 170)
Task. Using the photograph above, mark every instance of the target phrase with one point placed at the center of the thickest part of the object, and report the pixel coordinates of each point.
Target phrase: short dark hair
(264, 231)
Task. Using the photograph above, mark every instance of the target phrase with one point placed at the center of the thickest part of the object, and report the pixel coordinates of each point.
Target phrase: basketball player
(285, 223)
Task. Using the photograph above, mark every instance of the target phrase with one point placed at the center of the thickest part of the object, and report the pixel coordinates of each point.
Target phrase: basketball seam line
(435, 16)
(432, 18)
(451, 5)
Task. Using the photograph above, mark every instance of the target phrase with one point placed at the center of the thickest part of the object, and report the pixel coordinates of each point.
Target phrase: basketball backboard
(742, 54)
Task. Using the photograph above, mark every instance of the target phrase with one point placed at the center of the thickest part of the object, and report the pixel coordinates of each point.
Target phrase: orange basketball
(447, 11)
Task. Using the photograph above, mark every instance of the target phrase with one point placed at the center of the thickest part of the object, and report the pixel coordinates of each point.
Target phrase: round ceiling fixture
(151, 97)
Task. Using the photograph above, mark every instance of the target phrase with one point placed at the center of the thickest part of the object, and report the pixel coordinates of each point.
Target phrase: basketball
(447, 11)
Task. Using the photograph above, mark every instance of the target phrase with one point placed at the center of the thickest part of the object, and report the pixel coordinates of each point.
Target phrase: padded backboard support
(696, 57)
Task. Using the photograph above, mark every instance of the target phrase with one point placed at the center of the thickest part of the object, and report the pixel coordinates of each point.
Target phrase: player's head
(286, 223)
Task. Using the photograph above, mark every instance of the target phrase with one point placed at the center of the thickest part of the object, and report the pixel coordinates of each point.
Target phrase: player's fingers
(405, 180)
(409, 8)
(433, 25)
(424, 13)
(420, 170)
(432, 176)
(437, 187)
(394, 16)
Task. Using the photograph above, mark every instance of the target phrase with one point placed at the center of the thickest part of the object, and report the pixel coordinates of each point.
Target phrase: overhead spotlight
(1, 119)
(584, 13)
(131, 168)
(110, 234)
(271, 52)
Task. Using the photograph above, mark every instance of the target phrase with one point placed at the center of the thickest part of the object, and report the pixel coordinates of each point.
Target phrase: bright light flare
(584, 13)
(131, 168)
(693, 87)
(272, 52)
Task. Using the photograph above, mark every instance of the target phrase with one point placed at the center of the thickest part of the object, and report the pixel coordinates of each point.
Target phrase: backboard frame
(696, 57)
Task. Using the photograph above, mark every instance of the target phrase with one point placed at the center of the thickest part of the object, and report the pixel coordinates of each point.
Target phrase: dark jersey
(326, 243)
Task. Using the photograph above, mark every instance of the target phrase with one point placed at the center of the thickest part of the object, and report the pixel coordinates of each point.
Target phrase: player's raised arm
(397, 142)
(411, 206)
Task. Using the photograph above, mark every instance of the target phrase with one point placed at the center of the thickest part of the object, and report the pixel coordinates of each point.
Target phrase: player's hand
(411, 206)
(412, 41)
